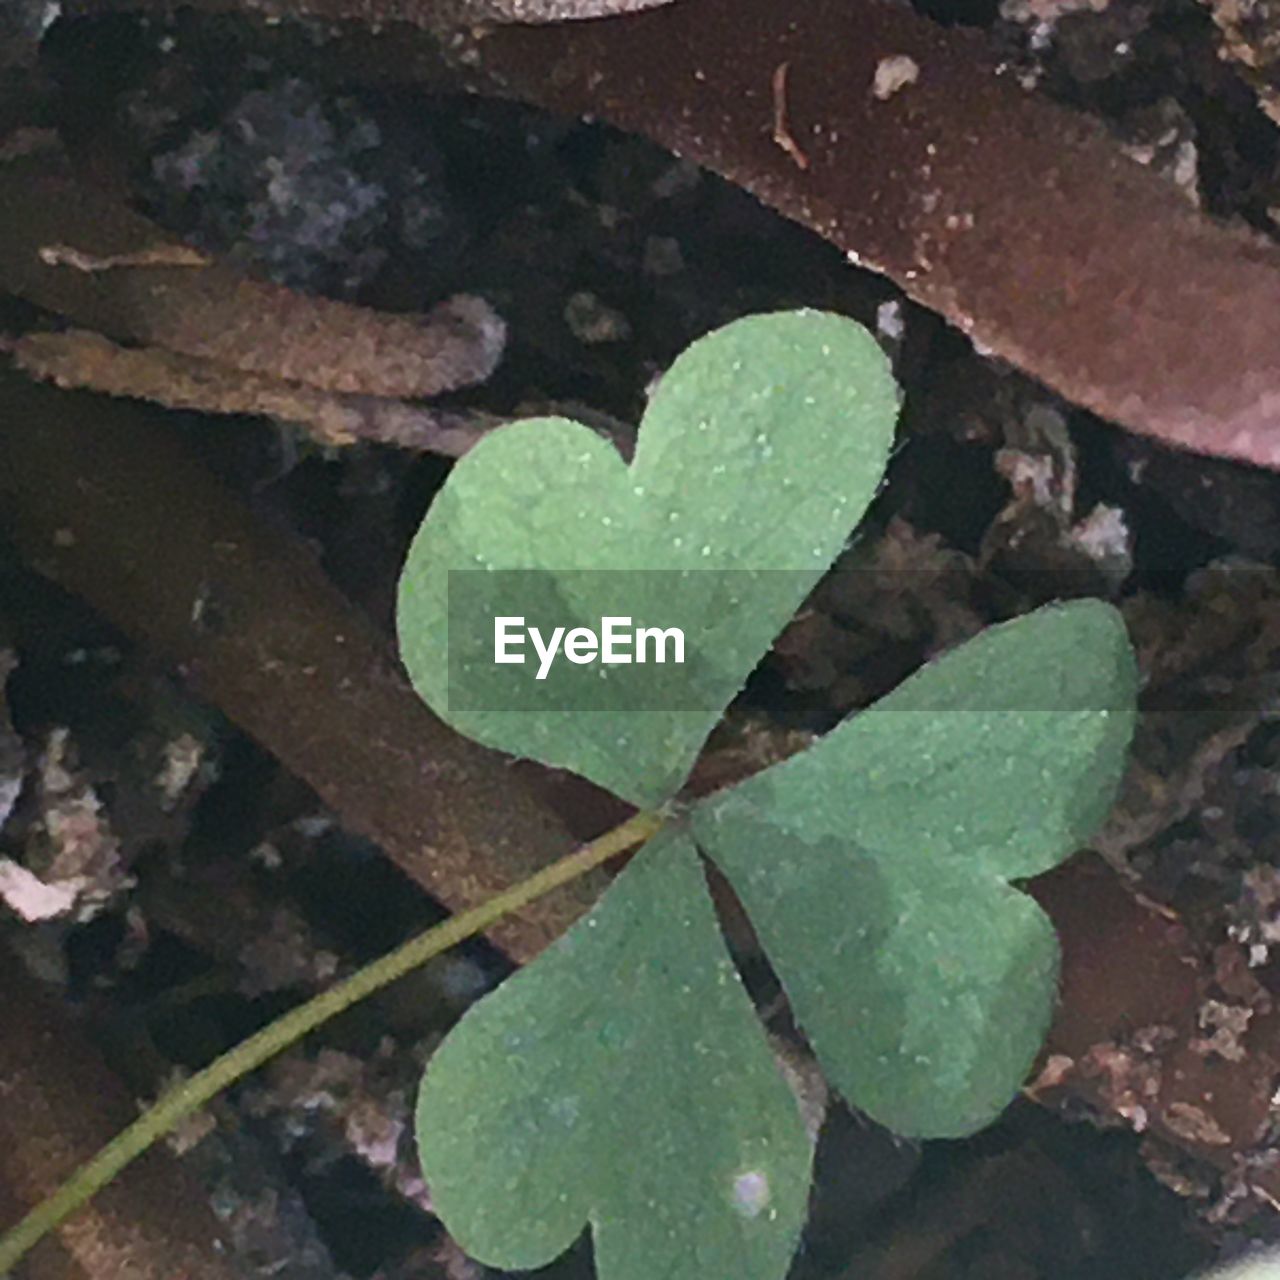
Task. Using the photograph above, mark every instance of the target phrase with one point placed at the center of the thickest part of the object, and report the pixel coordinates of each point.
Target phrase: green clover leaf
(621, 1079)
(875, 865)
(757, 455)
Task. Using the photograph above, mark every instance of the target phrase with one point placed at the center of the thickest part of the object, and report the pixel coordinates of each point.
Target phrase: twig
(161, 255)
(781, 130)
(80, 359)
(215, 313)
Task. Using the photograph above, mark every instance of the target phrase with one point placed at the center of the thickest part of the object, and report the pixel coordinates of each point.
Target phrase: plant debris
(78, 358)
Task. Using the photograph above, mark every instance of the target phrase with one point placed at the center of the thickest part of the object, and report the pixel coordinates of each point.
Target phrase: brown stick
(80, 358)
(48, 223)
(105, 502)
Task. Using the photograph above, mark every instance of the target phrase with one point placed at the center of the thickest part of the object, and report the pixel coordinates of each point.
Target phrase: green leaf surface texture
(876, 865)
(621, 1080)
(756, 457)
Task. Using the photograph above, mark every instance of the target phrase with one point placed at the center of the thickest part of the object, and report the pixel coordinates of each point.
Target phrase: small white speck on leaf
(751, 1193)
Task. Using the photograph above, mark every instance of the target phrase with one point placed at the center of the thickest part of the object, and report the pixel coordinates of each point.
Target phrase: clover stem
(225, 1070)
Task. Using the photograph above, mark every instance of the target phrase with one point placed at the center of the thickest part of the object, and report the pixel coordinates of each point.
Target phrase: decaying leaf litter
(997, 486)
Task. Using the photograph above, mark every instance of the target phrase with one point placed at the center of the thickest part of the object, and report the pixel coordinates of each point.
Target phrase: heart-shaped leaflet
(622, 1080)
(757, 455)
(875, 865)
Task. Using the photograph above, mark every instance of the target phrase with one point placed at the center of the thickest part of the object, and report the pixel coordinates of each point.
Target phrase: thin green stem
(287, 1030)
